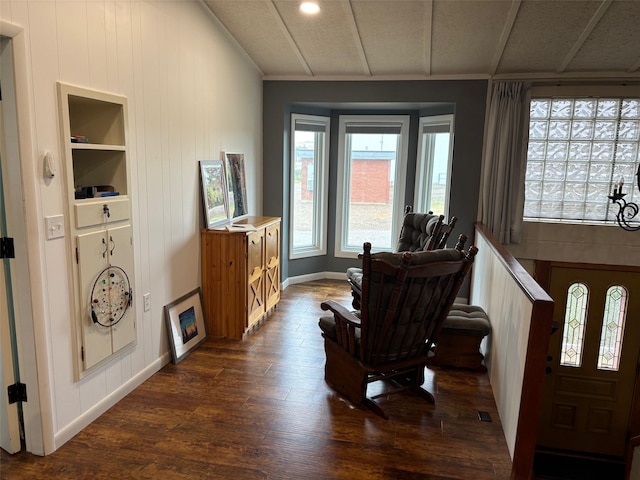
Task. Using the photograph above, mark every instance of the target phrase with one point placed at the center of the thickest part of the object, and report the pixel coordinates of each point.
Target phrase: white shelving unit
(94, 129)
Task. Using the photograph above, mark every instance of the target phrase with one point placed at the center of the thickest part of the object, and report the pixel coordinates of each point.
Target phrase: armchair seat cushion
(328, 326)
(458, 344)
(354, 275)
(466, 320)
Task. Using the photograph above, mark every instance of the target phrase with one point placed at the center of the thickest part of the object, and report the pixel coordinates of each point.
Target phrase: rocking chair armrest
(347, 326)
(341, 312)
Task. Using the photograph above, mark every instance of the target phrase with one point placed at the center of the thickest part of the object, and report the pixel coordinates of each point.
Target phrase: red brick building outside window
(370, 173)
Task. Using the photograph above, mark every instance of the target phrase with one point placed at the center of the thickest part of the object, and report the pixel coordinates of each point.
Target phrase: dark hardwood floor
(260, 409)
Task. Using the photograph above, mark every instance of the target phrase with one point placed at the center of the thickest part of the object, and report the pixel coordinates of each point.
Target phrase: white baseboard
(314, 276)
(84, 420)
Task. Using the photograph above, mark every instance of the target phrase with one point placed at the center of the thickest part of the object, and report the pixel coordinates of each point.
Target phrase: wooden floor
(260, 409)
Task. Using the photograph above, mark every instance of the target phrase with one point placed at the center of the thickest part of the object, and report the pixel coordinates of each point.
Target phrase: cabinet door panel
(255, 254)
(92, 259)
(272, 274)
(255, 272)
(121, 255)
(273, 245)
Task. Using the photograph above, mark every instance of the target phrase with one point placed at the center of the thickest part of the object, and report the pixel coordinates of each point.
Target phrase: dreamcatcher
(111, 296)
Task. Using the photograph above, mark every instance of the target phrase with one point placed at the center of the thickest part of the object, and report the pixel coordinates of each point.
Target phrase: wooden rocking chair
(420, 232)
(405, 298)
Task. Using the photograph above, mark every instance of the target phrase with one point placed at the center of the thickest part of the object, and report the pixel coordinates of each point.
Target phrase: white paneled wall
(506, 349)
(192, 94)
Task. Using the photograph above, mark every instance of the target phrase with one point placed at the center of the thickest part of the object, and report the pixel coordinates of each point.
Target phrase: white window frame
(320, 190)
(342, 250)
(424, 164)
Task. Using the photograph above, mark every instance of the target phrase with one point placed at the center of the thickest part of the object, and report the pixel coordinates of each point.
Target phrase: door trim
(33, 345)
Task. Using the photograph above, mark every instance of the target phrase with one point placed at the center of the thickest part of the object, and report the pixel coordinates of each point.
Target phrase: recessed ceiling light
(309, 8)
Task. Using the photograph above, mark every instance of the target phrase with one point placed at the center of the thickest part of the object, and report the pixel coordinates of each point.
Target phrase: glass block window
(578, 148)
(575, 319)
(615, 314)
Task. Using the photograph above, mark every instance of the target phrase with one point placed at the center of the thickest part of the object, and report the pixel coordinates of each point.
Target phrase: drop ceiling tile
(393, 35)
(326, 40)
(466, 35)
(254, 27)
(614, 44)
(544, 33)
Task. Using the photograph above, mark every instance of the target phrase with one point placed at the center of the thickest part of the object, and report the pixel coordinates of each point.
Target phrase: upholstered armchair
(419, 232)
(405, 298)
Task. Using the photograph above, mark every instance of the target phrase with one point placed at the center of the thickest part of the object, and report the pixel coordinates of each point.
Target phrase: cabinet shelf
(82, 201)
(93, 167)
(97, 146)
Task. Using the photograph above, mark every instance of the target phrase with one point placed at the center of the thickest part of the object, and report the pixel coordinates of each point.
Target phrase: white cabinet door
(97, 251)
(121, 255)
(92, 259)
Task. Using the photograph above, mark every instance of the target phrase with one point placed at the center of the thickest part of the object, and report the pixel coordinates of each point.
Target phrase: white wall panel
(43, 35)
(510, 316)
(191, 94)
(111, 46)
(73, 41)
(97, 45)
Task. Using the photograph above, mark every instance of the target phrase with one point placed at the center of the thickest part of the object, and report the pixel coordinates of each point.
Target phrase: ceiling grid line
(506, 32)
(584, 35)
(428, 36)
(356, 37)
(296, 50)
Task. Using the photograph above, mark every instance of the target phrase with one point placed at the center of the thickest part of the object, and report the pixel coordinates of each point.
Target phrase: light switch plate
(54, 226)
(147, 302)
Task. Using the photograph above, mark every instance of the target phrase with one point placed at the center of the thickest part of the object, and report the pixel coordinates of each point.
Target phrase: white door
(9, 415)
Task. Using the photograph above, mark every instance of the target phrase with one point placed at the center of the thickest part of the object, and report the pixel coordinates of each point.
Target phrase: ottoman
(458, 343)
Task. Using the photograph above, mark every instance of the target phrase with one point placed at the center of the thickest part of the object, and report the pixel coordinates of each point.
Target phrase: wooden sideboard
(240, 275)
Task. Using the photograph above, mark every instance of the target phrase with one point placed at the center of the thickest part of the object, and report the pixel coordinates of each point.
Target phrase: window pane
(308, 185)
(615, 313)
(303, 200)
(434, 165)
(372, 158)
(587, 141)
(439, 179)
(575, 319)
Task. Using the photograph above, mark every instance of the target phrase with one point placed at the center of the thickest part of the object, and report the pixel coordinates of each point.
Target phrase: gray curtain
(505, 160)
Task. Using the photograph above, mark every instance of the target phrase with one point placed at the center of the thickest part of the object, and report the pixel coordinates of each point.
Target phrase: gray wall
(465, 98)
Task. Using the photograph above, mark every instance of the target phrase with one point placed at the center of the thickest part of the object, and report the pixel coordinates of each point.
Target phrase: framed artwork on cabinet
(214, 192)
(237, 185)
(185, 324)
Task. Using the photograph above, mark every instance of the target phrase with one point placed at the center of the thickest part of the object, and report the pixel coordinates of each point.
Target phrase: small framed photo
(214, 192)
(185, 324)
(237, 185)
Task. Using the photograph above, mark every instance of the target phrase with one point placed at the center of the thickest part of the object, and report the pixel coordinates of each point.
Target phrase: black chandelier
(628, 211)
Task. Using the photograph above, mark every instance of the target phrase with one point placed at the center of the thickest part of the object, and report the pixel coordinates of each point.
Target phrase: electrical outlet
(147, 302)
(55, 226)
